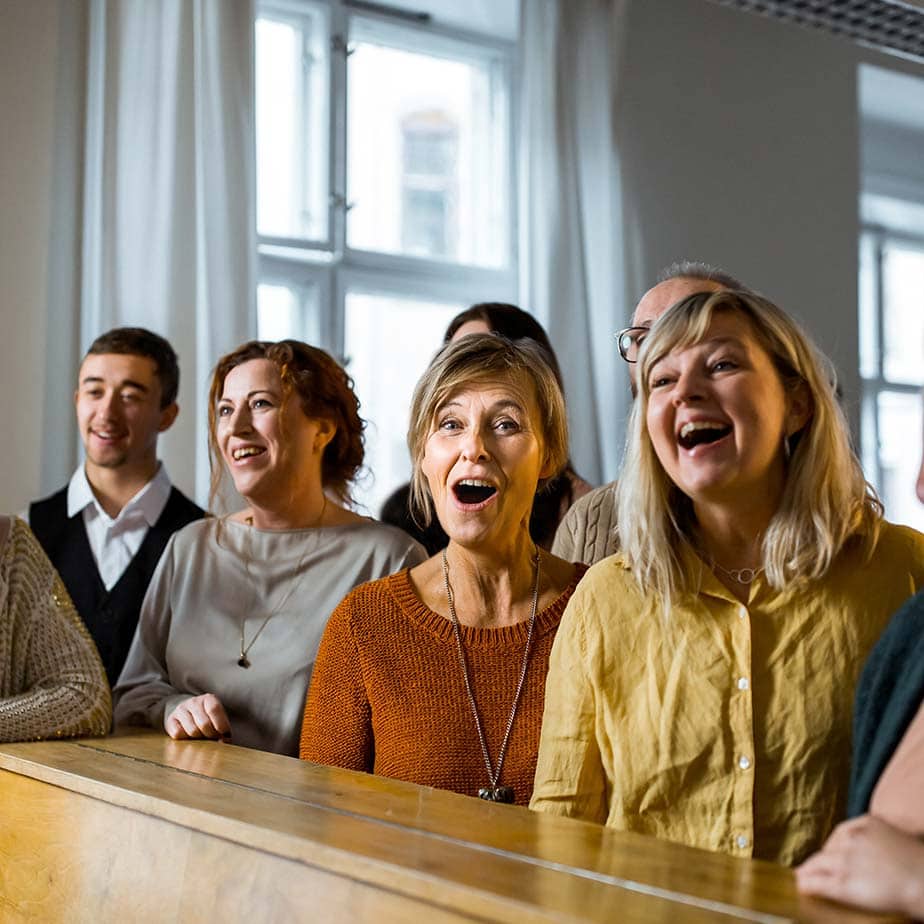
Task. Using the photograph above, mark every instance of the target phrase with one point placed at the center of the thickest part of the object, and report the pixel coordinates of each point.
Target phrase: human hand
(199, 717)
(868, 863)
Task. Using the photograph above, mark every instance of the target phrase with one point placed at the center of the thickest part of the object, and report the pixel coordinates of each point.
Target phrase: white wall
(739, 137)
(739, 140)
(28, 87)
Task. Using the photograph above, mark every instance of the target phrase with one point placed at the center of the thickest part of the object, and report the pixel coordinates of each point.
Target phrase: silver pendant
(496, 793)
(242, 661)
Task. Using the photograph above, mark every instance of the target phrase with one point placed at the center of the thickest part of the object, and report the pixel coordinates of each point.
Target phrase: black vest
(110, 615)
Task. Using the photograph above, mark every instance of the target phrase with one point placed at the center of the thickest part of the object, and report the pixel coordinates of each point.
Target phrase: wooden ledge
(392, 846)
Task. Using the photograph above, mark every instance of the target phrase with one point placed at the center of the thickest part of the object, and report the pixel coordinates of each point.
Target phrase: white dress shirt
(114, 541)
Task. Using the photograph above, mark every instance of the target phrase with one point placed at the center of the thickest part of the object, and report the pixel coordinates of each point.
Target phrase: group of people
(696, 683)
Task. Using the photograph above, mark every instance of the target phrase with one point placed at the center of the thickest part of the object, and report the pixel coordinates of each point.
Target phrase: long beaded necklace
(495, 792)
(243, 660)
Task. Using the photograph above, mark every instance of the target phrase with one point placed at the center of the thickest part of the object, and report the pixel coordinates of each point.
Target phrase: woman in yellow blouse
(701, 684)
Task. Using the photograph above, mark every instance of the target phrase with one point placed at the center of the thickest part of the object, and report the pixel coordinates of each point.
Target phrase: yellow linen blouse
(723, 726)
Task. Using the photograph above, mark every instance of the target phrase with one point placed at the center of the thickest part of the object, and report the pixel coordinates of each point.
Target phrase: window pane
(869, 308)
(427, 154)
(903, 321)
(900, 432)
(285, 312)
(292, 123)
(388, 342)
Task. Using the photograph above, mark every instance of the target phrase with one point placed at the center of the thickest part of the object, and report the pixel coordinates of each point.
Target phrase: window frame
(874, 238)
(337, 268)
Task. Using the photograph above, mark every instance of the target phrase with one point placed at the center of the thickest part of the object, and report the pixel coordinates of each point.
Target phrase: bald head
(661, 297)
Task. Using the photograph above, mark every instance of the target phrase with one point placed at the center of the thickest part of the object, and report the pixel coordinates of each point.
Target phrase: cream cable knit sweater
(52, 683)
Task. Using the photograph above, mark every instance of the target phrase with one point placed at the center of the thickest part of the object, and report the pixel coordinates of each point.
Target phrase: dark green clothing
(889, 695)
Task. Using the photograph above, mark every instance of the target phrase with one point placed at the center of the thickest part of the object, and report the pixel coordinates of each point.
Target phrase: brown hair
(138, 341)
(324, 391)
(485, 358)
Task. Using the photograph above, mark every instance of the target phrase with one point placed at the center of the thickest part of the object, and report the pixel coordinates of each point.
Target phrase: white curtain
(575, 242)
(169, 191)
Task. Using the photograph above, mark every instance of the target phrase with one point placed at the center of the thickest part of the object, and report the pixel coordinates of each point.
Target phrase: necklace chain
(495, 793)
(741, 575)
(243, 660)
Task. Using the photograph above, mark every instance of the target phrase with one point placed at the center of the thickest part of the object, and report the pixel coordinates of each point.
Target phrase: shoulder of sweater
(369, 598)
(593, 502)
(586, 524)
(367, 606)
(22, 545)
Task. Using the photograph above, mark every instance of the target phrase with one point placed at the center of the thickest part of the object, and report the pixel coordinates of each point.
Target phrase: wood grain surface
(138, 827)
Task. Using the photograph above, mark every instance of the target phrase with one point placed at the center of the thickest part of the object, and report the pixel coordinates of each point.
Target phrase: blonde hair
(474, 360)
(826, 500)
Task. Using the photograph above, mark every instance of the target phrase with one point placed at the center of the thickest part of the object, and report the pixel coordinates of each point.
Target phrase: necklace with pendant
(495, 792)
(243, 660)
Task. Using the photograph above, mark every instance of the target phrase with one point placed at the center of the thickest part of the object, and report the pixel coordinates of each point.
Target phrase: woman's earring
(787, 449)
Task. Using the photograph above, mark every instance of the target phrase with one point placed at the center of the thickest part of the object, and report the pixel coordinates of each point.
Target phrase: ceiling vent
(884, 24)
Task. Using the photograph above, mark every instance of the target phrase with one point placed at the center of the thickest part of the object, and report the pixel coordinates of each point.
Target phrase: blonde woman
(701, 684)
(436, 674)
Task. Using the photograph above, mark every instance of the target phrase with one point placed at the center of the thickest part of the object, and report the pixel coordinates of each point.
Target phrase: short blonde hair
(477, 359)
(826, 499)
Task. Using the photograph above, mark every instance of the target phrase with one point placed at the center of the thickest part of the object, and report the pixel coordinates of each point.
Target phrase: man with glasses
(588, 531)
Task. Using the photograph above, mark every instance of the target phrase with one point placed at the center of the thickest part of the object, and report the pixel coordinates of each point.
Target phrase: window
(892, 368)
(429, 178)
(384, 178)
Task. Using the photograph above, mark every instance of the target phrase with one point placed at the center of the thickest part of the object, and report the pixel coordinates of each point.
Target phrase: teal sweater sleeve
(889, 695)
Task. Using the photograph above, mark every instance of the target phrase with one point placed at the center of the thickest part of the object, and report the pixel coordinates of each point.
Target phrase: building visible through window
(430, 155)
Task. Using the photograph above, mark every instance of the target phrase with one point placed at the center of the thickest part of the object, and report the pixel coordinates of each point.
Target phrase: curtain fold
(577, 273)
(169, 239)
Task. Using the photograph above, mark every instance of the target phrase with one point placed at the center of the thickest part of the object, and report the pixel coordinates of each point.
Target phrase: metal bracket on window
(339, 201)
(339, 44)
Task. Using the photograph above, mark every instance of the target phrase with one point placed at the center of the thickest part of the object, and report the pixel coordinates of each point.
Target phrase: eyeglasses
(629, 341)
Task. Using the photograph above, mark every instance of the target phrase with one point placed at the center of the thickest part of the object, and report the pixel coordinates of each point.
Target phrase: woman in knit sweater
(436, 674)
(52, 682)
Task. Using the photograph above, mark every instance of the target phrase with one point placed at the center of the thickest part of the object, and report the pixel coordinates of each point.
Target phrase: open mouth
(245, 452)
(702, 432)
(473, 491)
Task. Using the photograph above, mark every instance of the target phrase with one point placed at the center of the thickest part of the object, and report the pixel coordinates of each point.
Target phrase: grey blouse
(215, 576)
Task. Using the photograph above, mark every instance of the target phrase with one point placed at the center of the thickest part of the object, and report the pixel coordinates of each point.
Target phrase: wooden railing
(142, 828)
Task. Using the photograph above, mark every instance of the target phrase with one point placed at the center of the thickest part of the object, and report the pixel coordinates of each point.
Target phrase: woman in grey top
(231, 622)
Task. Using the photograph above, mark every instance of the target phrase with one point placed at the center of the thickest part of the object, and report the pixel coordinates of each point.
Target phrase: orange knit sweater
(387, 693)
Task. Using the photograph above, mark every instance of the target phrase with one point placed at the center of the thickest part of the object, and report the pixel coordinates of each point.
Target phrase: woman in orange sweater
(436, 674)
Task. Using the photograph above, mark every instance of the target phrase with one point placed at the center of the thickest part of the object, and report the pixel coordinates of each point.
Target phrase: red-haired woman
(231, 623)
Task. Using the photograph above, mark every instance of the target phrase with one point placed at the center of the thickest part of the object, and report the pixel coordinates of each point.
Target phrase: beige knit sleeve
(52, 682)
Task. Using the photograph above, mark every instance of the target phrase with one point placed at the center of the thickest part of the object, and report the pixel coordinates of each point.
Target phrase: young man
(105, 531)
